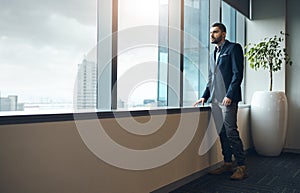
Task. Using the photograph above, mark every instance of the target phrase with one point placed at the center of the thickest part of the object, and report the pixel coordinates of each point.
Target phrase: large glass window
(140, 54)
(42, 47)
(196, 48)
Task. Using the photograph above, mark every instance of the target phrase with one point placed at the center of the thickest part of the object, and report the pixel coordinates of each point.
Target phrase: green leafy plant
(268, 55)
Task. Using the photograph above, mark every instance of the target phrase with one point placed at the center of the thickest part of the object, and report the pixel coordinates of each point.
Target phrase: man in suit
(224, 89)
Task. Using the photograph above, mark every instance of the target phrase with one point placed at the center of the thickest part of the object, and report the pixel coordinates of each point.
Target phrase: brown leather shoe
(239, 174)
(226, 167)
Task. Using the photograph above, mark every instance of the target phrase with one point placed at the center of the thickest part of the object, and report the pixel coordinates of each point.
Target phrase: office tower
(86, 90)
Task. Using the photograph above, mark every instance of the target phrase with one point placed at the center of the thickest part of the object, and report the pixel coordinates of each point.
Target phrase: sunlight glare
(137, 13)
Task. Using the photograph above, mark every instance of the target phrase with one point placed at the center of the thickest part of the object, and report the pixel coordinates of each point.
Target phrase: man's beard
(217, 40)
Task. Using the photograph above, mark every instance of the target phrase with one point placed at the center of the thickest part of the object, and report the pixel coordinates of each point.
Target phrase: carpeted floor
(266, 175)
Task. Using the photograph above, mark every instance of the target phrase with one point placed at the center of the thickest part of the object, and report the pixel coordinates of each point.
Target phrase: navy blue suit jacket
(226, 74)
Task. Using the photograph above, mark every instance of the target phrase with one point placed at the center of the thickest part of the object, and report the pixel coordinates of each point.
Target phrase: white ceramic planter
(269, 111)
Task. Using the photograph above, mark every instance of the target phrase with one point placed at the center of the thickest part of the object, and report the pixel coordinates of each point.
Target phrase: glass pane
(229, 19)
(163, 54)
(42, 46)
(196, 47)
(139, 52)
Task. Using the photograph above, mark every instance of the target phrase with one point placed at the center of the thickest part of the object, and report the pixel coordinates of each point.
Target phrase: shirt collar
(221, 46)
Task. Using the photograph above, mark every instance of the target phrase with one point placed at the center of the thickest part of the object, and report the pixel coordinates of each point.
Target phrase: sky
(41, 44)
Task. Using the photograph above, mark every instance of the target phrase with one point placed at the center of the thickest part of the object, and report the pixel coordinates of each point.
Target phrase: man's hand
(226, 101)
(199, 101)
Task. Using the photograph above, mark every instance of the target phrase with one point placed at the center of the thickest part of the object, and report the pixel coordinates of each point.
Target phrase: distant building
(10, 103)
(13, 102)
(5, 104)
(86, 91)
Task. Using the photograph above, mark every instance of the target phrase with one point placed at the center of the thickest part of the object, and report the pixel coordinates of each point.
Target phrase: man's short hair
(221, 26)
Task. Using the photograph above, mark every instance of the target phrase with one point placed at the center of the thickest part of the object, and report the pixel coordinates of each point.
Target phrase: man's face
(216, 35)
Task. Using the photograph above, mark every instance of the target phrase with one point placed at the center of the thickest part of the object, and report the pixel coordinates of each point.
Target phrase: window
(163, 52)
(42, 46)
(139, 53)
(196, 49)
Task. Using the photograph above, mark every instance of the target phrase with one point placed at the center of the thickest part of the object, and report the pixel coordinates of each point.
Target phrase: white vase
(269, 111)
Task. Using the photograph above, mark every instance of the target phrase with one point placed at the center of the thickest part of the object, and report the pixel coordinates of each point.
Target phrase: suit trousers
(226, 123)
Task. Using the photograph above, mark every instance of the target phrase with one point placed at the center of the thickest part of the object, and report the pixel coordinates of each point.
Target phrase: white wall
(293, 78)
(268, 20)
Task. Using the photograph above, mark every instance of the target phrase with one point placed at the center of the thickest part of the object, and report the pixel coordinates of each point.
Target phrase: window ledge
(39, 118)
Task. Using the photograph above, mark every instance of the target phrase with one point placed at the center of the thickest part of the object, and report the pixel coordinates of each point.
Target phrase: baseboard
(290, 150)
(284, 150)
(186, 180)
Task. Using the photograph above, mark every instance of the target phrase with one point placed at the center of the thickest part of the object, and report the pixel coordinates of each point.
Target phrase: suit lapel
(222, 51)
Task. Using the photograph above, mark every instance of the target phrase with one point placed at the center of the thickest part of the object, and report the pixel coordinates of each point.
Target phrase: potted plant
(268, 108)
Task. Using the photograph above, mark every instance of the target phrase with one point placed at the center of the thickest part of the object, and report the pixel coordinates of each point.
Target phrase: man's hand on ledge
(198, 102)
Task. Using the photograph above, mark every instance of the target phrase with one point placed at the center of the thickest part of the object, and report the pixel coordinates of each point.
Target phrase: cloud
(83, 11)
(46, 22)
